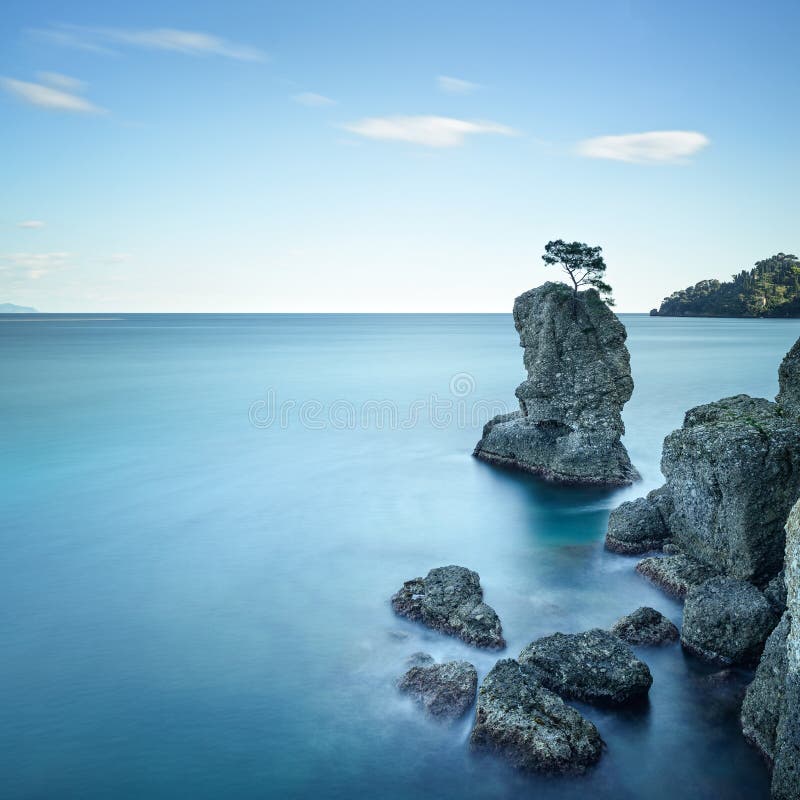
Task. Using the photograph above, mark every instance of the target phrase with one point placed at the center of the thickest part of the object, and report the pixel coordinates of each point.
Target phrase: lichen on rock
(445, 691)
(530, 726)
(786, 772)
(645, 626)
(594, 666)
(569, 425)
(640, 525)
(733, 473)
(764, 700)
(450, 599)
(726, 621)
(675, 574)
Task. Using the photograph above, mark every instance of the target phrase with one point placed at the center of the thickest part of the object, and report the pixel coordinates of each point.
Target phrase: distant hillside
(10, 308)
(770, 289)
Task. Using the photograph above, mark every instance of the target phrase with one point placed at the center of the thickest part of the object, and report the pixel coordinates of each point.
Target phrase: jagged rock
(764, 699)
(786, 772)
(733, 473)
(530, 726)
(726, 621)
(579, 378)
(675, 574)
(450, 600)
(789, 381)
(640, 525)
(419, 659)
(645, 626)
(594, 666)
(775, 592)
(445, 690)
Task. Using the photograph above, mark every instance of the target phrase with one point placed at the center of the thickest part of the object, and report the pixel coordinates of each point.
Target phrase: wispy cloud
(31, 265)
(108, 40)
(37, 94)
(455, 85)
(60, 81)
(31, 223)
(313, 100)
(653, 147)
(429, 131)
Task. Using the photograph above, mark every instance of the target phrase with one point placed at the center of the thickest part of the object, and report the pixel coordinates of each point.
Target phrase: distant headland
(10, 308)
(770, 289)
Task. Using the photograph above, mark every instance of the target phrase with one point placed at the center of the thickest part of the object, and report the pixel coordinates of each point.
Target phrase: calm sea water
(203, 520)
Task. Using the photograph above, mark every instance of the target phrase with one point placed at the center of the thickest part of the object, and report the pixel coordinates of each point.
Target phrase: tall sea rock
(569, 424)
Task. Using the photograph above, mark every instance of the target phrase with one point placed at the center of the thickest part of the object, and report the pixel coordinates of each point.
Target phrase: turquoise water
(196, 573)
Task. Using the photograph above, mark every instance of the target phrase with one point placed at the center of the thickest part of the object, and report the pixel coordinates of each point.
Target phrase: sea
(204, 518)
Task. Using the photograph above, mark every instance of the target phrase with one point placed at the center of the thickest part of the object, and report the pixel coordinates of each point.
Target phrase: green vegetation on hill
(770, 289)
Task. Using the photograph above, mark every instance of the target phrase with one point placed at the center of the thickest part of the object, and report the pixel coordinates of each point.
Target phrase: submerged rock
(594, 666)
(569, 425)
(445, 690)
(675, 574)
(530, 726)
(645, 626)
(764, 699)
(726, 621)
(733, 473)
(450, 600)
(640, 525)
(419, 659)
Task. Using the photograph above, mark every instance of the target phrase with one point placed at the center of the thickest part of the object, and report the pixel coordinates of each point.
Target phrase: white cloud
(456, 85)
(429, 131)
(31, 223)
(60, 81)
(195, 43)
(66, 37)
(313, 100)
(45, 96)
(32, 265)
(653, 147)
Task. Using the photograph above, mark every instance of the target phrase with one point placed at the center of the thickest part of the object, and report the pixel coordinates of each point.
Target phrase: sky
(198, 156)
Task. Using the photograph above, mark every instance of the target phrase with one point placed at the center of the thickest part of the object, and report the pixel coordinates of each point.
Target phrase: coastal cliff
(732, 479)
(569, 424)
(771, 708)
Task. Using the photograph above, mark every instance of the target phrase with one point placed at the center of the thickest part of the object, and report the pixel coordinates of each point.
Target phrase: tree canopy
(770, 289)
(583, 264)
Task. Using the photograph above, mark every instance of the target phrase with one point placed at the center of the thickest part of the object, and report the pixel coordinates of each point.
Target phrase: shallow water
(194, 594)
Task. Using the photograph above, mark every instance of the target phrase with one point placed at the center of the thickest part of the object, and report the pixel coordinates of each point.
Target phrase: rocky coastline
(521, 713)
(727, 525)
(722, 534)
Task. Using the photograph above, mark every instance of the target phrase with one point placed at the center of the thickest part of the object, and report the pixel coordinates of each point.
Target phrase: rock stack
(569, 424)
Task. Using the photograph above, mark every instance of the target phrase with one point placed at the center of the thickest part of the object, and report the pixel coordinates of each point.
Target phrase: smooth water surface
(204, 518)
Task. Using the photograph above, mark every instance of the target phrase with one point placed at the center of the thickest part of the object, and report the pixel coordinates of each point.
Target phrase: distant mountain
(10, 308)
(770, 289)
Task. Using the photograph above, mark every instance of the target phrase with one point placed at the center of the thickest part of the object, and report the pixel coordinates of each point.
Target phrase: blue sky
(387, 156)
